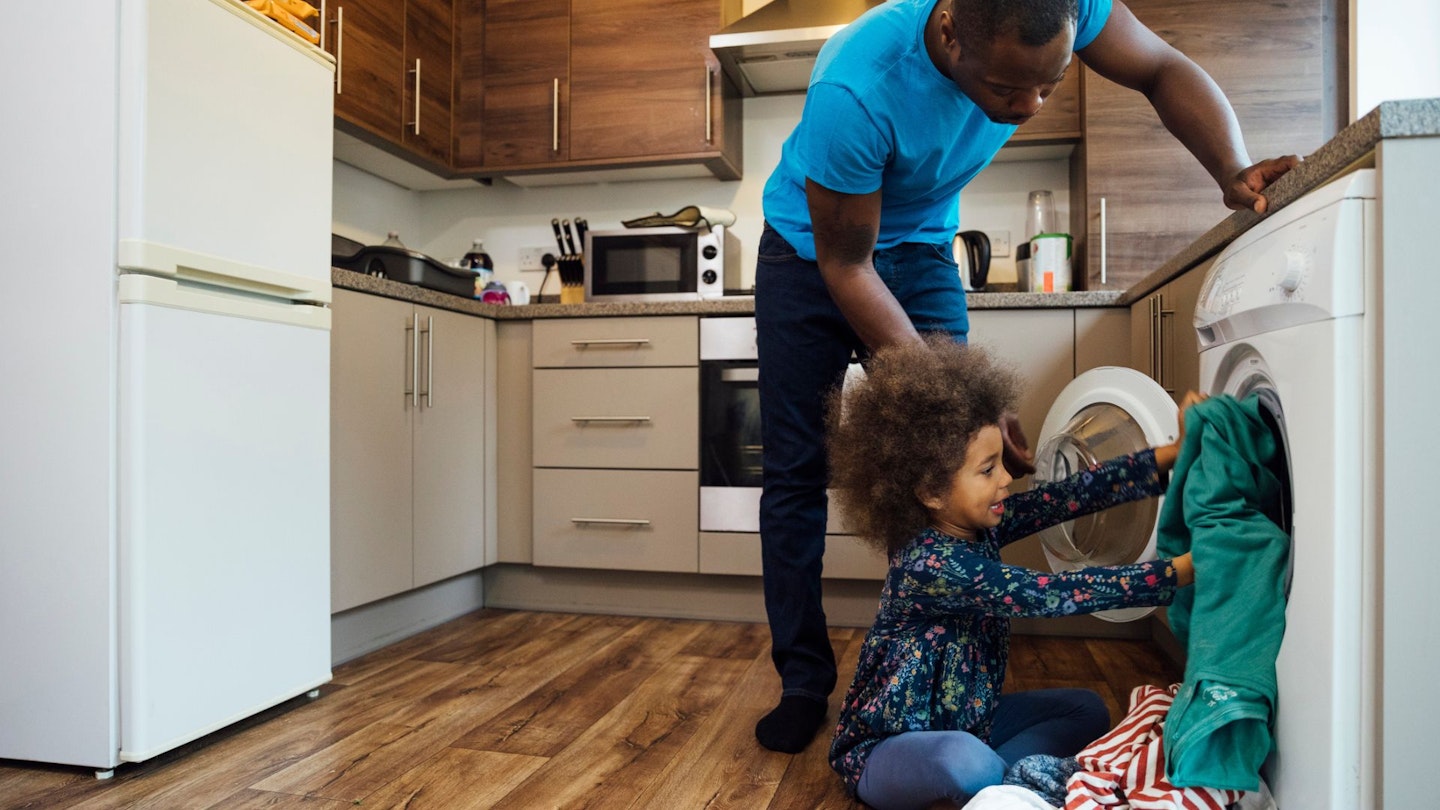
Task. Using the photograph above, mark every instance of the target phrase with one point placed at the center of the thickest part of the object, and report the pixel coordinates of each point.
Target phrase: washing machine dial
(1296, 264)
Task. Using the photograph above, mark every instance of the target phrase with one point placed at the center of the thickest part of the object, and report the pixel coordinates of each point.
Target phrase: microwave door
(642, 267)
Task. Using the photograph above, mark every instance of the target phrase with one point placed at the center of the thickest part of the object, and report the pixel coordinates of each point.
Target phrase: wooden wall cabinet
(1276, 63)
(526, 77)
(394, 75)
(411, 488)
(581, 84)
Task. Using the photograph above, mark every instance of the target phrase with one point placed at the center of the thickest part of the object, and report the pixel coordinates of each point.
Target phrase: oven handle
(740, 374)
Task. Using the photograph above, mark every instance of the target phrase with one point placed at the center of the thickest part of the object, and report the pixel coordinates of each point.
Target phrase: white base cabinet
(412, 424)
(616, 436)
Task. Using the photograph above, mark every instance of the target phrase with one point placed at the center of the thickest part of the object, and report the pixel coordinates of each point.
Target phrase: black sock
(791, 726)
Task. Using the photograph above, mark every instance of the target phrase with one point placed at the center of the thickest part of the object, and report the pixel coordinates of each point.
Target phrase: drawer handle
(610, 521)
(584, 419)
(611, 342)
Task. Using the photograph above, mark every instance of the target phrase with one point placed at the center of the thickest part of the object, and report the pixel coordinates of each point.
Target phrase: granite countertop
(1353, 147)
(737, 305)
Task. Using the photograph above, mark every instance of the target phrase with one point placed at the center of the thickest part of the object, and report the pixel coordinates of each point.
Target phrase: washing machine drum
(1104, 413)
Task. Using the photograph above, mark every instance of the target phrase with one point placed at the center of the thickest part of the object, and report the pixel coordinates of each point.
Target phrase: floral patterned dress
(935, 657)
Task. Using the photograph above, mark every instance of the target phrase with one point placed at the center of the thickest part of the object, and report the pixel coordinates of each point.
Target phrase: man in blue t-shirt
(905, 106)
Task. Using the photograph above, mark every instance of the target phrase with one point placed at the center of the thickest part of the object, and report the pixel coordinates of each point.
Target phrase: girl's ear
(931, 502)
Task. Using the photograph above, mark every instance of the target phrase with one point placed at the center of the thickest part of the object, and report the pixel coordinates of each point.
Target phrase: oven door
(730, 450)
(652, 264)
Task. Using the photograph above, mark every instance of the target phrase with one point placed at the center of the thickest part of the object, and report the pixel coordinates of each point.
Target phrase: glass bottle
(1039, 214)
(393, 240)
(477, 259)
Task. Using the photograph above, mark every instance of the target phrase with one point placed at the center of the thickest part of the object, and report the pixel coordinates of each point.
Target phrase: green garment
(1219, 730)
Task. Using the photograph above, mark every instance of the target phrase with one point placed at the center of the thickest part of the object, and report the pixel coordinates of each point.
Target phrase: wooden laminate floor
(539, 710)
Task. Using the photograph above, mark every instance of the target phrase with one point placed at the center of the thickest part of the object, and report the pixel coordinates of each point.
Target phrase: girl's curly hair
(904, 429)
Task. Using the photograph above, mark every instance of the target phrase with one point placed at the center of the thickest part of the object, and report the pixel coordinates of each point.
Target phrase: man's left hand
(1242, 192)
(1016, 455)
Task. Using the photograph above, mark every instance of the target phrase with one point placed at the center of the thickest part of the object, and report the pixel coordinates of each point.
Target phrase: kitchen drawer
(616, 342)
(631, 418)
(846, 556)
(634, 520)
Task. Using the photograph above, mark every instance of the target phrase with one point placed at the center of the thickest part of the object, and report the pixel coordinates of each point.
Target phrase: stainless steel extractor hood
(772, 50)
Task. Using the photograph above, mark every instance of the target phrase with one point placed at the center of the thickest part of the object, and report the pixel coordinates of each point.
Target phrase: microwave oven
(661, 264)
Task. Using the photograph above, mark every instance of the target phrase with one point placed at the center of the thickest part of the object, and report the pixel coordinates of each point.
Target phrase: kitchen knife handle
(569, 237)
(559, 237)
(416, 122)
(429, 333)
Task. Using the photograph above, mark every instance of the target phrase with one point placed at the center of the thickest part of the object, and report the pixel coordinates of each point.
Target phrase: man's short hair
(1036, 22)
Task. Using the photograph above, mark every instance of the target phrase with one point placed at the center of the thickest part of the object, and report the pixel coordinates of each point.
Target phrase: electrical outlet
(999, 243)
(530, 258)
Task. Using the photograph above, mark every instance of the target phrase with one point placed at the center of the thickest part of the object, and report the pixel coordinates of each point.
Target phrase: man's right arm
(846, 227)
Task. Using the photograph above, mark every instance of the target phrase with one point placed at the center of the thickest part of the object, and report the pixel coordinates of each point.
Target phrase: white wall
(365, 208)
(1394, 52)
(509, 218)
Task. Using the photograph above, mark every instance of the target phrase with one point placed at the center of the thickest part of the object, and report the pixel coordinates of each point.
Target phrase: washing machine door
(1104, 413)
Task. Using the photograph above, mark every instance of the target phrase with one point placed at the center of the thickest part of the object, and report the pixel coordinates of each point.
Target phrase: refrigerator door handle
(168, 261)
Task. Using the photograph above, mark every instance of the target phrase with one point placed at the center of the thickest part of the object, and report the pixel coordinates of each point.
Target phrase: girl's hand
(1184, 570)
(1166, 454)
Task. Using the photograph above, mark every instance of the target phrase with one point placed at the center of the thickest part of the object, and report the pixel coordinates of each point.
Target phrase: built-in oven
(730, 448)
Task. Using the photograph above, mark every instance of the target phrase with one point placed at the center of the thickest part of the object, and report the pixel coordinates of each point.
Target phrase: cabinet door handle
(412, 346)
(322, 27)
(610, 521)
(1165, 319)
(610, 342)
(1154, 305)
(709, 118)
(339, 50)
(429, 333)
(609, 419)
(1102, 242)
(555, 117)
(416, 122)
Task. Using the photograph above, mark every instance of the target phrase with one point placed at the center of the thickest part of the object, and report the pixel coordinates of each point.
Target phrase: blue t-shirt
(878, 115)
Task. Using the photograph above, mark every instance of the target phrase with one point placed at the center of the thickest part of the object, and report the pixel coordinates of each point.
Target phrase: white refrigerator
(164, 335)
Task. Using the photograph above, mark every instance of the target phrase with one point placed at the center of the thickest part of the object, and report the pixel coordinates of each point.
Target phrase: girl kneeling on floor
(915, 455)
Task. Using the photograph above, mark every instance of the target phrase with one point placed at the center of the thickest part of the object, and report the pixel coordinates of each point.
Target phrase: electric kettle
(972, 254)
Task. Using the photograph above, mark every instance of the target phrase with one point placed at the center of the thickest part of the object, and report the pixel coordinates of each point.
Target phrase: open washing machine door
(1104, 413)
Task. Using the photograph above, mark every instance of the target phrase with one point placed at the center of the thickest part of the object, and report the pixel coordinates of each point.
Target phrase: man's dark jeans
(805, 346)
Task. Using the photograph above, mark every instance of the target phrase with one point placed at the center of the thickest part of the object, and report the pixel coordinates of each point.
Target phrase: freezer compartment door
(224, 513)
(225, 143)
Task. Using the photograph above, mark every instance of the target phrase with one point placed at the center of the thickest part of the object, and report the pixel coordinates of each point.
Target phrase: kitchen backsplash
(510, 218)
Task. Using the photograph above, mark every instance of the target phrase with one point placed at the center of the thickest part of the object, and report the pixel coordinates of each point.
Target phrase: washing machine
(1281, 316)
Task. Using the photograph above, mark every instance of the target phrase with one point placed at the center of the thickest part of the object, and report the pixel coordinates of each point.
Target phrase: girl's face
(974, 500)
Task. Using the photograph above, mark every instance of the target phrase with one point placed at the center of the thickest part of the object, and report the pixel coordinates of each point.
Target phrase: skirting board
(848, 603)
(369, 627)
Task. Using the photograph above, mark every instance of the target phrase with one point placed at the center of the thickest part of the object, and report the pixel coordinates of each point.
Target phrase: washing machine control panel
(1306, 267)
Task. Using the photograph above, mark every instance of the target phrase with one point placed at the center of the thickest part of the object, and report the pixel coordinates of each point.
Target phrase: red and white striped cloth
(1126, 767)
